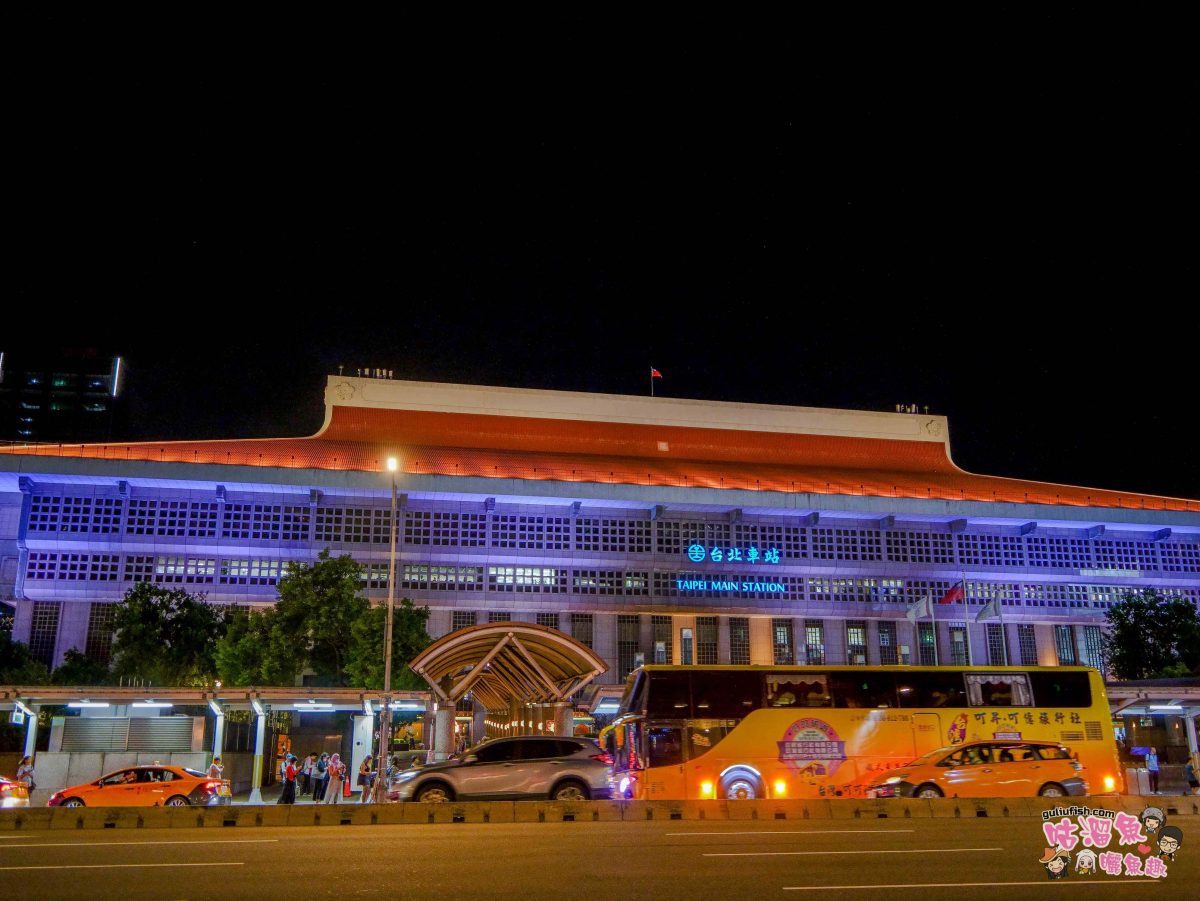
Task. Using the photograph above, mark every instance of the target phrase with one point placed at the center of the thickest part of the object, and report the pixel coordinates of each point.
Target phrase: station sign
(750, 554)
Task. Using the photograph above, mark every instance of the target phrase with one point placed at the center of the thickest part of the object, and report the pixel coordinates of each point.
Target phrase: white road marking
(125, 866)
(798, 832)
(812, 853)
(202, 841)
(835, 888)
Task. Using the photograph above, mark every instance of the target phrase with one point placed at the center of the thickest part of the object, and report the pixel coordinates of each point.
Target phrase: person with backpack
(320, 778)
(335, 772)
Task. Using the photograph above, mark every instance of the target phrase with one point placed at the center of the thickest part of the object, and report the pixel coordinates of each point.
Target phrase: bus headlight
(706, 789)
(1110, 784)
(780, 788)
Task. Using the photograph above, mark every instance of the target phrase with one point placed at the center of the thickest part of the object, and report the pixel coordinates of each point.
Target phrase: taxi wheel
(176, 801)
(73, 802)
(928, 790)
(1052, 790)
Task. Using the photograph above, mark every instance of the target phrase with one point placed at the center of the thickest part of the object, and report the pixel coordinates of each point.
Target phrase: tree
(166, 636)
(78, 668)
(409, 638)
(256, 651)
(1151, 634)
(17, 666)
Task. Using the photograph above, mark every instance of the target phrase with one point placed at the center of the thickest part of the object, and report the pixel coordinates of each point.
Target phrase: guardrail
(275, 815)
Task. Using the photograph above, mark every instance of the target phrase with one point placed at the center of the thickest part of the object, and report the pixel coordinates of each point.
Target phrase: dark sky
(1016, 252)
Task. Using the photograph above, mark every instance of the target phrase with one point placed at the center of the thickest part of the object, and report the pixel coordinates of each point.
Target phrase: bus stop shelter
(522, 677)
(123, 705)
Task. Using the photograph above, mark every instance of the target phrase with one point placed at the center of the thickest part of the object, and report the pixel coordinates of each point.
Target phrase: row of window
(157, 517)
(250, 571)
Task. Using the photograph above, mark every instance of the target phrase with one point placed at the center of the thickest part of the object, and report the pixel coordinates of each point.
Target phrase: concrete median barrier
(878, 809)
(567, 811)
(461, 812)
(25, 819)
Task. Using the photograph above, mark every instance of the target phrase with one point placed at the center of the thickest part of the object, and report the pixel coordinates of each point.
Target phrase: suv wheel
(434, 792)
(571, 790)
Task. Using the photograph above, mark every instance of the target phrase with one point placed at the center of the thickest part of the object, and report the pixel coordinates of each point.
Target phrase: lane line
(798, 832)
(811, 853)
(1051, 882)
(126, 866)
(202, 841)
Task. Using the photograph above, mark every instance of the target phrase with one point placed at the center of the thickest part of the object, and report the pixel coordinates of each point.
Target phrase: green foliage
(166, 637)
(79, 669)
(409, 638)
(246, 653)
(318, 605)
(17, 667)
(1151, 634)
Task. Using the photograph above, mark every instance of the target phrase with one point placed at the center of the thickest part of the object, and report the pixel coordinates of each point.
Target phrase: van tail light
(604, 757)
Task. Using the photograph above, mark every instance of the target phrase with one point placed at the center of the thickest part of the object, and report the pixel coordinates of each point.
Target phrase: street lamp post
(385, 715)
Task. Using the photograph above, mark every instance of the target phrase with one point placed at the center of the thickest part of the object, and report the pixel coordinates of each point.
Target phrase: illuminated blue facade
(639, 573)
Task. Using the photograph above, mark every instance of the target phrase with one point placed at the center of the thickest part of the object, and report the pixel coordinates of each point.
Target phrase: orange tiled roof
(457, 444)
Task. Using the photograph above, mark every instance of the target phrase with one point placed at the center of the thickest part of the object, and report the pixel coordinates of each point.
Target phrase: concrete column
(1189, 723)
(260, 736)
(31, 730)
(723, 653)
(760, 641)
(478, 725)
(219, 735)
(443, 732)
(564, 719)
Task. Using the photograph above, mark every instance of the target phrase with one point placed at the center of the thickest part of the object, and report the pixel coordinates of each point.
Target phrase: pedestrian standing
(289, 780)
(1152, 768)
(25, 776)
(366, 779)
(336, 772)
(320, 778)
(306, 773)
(216, 768)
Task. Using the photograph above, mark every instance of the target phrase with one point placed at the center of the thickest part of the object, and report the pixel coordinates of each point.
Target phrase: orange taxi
(146, 786)
(987, 769)
(13, 793)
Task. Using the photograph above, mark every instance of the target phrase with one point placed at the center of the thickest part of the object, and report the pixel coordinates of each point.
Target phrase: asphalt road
(888, 860)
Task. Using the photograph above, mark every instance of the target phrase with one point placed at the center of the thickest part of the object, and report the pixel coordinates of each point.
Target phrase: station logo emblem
(811, 747)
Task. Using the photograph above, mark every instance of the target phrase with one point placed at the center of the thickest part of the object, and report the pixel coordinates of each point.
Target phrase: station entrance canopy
(507, 665)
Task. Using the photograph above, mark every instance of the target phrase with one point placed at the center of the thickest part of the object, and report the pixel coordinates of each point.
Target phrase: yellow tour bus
(746, 732)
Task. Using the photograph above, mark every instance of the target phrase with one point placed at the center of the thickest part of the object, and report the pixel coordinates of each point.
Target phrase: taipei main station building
(652, 530)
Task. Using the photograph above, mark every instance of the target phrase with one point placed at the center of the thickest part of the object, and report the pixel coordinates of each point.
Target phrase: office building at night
(650, 529)
(59, 397)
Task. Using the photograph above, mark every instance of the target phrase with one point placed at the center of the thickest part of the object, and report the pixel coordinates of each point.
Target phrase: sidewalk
(271, 793)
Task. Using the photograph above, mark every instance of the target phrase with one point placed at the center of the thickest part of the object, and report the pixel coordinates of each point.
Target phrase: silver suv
(562, 769)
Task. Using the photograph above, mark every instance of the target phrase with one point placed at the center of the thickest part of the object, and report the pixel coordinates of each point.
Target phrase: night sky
(1011, 253)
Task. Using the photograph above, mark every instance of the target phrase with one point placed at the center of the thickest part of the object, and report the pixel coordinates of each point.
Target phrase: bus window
(865, 689)
(999, 690)
(724, 695)
(634, 698)
(1052, 689)
(931, 689)
(798, 690)
(665, 745)
(704, 735)
(670, 695)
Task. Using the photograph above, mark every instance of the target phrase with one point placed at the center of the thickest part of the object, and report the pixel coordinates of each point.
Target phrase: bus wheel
(1052, 790)
(741, 786)
(928, 790)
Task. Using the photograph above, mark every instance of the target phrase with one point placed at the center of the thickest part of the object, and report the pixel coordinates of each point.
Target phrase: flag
(654, 373)
(923, 607)
(954, 595)
(990, 609)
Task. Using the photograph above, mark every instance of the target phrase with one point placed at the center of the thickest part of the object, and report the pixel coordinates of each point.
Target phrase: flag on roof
(654, 373)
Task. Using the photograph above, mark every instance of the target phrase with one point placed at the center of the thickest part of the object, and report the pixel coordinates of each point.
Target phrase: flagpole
(933, 620)
(1003, 630)
(652, 381)
(967, 621)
